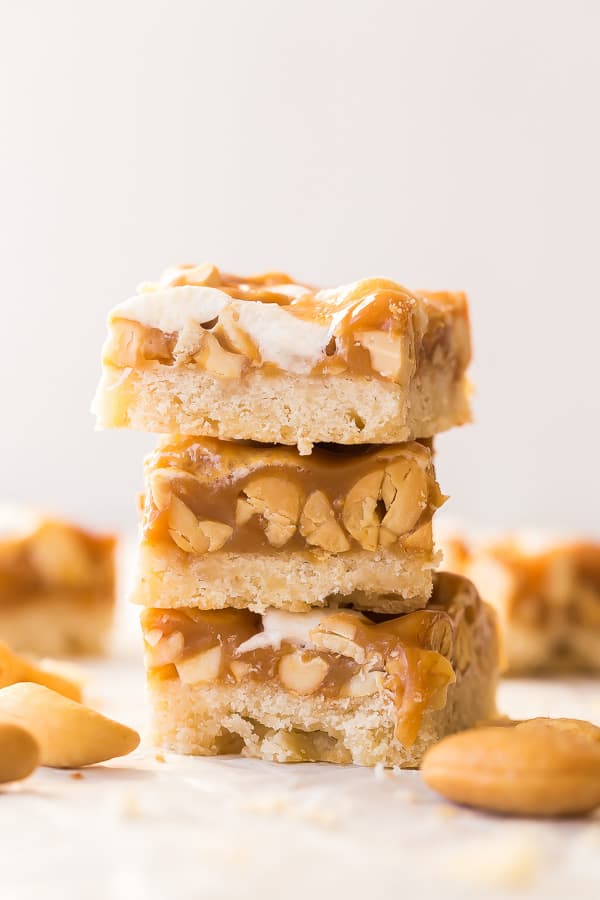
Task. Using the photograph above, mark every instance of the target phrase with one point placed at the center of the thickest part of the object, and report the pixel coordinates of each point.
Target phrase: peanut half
(277, 500)
(536, 768)
(69, 735)
(19, 752)
(387, 504)
(14, 668)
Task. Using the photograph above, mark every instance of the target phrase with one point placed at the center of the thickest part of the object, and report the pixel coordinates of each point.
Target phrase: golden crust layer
(381, 581)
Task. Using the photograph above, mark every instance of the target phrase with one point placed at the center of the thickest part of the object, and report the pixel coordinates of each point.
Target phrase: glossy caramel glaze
(374, 327)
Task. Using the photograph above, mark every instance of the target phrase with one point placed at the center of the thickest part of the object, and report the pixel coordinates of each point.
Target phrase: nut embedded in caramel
(336, 634)
(386, 503)
(200, 667)
(319, 525)
(387, 352)
(218, 361)
(277, 500)
(193, 535)
(301, 674)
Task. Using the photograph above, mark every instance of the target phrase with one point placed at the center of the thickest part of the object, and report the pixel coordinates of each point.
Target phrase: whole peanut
(19, 752)
(531, 769)
(69, 734)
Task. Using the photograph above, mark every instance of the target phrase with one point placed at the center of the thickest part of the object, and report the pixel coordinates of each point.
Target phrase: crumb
(76, 776)
(159, 757)
(129, 807)
(267, 805)
(317, 815)
(407, 796)
(381, 773)
(591, 835)
(281, 806)
(512, 863)
(446, 811)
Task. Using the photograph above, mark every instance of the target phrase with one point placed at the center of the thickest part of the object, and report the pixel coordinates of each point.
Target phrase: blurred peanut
(15, 668)
(19, 752)
(69, 735)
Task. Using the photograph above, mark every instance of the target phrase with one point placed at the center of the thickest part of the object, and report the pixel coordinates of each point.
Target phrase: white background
(444, 144)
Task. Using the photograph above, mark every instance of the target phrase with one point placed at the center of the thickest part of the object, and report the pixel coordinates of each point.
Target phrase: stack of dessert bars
(286, 562)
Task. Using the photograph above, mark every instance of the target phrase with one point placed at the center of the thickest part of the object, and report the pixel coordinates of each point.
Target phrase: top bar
(264, 358)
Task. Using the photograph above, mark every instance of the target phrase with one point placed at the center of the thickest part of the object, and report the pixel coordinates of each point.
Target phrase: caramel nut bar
(327, 685)
(227, 524)
(547, 595)
(57, 585)
(264, 358)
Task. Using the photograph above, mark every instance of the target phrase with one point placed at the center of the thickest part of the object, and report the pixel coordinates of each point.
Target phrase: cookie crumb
(129, 807)
(512, 863)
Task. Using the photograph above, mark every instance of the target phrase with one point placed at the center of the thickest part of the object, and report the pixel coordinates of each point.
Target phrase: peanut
(19, 752)
(319, 526)
(302, 675)
(536, 768)
(69, 735)
(14, 668)
(572, 726)
(277, 500)
(201, 667)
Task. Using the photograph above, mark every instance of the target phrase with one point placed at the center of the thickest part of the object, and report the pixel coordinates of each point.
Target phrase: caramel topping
(205, 495)
(55, 555)
(374, 327)
(560, 582)
(348, 655)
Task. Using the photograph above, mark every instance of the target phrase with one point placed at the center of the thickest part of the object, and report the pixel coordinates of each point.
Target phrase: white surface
(444, 144)
(142, 829)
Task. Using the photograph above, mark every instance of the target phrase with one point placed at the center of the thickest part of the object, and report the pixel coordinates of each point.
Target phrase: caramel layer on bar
(333, 653)
(535, 586)
(205, 495)
(39, 555)
(373, 327)
(565, 576)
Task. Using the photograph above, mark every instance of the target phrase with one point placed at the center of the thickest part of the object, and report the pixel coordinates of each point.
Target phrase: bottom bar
(331, 685)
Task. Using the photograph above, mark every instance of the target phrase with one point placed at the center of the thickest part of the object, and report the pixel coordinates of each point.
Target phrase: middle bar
(254, 526)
